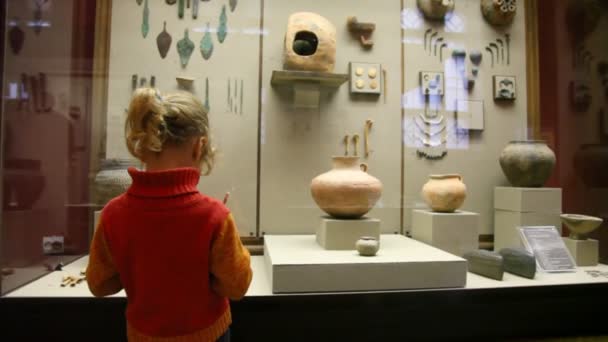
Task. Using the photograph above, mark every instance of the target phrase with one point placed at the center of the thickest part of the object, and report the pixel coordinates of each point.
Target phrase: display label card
(548, 247)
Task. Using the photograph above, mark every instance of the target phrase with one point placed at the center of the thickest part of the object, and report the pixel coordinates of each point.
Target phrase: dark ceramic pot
(528, 163)
(23, 184)
(591, 165)
(112, 180)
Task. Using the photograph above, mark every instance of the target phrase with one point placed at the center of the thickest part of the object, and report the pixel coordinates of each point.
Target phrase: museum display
(195, 4)
(310, 43)
(499, 12)
(163, 41)
(485, 263)
(436, 9)
(362, 31)
(527, 163)
(185, 47)
(367, 246)
(580, 225)
(504, 88)
(112, 179)
(444, 193)
(206, 45)
(368, 126)
(347, 191)
(145, 23)
(222, 30)
(519, 261)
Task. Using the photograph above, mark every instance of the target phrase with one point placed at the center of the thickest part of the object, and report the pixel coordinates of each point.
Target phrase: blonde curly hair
(155, 120)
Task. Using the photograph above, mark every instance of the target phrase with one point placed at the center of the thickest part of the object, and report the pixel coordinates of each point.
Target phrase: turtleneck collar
(168, 183)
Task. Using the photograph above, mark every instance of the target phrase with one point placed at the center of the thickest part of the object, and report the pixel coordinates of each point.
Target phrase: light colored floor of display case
(49, 286)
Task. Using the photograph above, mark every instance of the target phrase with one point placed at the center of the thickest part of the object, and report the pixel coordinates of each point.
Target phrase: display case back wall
(297, 145)
(472, 154)
(235, 61)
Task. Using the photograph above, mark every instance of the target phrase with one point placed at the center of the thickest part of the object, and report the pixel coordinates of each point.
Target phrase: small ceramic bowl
(367, 246)
(580, 225)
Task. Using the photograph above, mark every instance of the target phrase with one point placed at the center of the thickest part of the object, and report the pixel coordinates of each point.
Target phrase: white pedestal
(516, 207)
(536, 200)
(336, 234)
(456, 233)
(584, 252)
(296, 263)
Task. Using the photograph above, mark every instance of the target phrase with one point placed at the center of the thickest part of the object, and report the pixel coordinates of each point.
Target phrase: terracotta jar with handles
(347, 191)
(444, 193)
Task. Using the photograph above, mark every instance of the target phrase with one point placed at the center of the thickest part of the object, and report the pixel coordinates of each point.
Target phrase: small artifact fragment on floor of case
(163, 41)
(519, 261)
(485, 263)
(435, 9)
(310, 43)
(222, 30)
(206, 45)
(498, 12)
(504, 88)
(367, 246)
(363, 31)
(145, 24)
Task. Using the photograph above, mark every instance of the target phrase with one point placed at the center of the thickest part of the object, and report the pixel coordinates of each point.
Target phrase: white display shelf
(48, 286)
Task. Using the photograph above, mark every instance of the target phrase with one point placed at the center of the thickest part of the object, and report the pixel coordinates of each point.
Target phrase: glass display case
(417, 132)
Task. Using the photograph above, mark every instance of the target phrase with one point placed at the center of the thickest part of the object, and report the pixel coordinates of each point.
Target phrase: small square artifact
(470, 115)
(431, 83)
(365, 78)
(504, 88)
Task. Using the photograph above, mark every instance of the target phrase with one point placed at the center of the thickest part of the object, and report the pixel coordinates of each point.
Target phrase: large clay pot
(591, 163)
(444, 193)
(346, 191)
(112, 180)
(23, 184)
(527, 164)
(310, 43)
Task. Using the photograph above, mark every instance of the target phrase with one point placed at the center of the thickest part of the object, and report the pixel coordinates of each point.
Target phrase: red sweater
(177, 254)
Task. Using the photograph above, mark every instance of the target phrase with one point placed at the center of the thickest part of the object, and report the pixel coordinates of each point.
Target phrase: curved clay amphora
(444, 193)
(346, 191)
(528, 163)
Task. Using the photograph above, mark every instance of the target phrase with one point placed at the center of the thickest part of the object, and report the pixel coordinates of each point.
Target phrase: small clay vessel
(498, 12)
(367, 246)
(527, 163)
(444, 193)
(435, 9)
(346, 191)
(580, 225)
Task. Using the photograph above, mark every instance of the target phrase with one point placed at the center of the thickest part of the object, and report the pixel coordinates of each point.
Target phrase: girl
(176, 252)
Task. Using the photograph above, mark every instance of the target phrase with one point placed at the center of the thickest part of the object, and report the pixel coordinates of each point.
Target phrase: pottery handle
(363, 167)
(460, 177)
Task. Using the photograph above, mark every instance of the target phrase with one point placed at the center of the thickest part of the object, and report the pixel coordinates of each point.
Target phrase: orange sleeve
(230, 263)
(102, 277)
